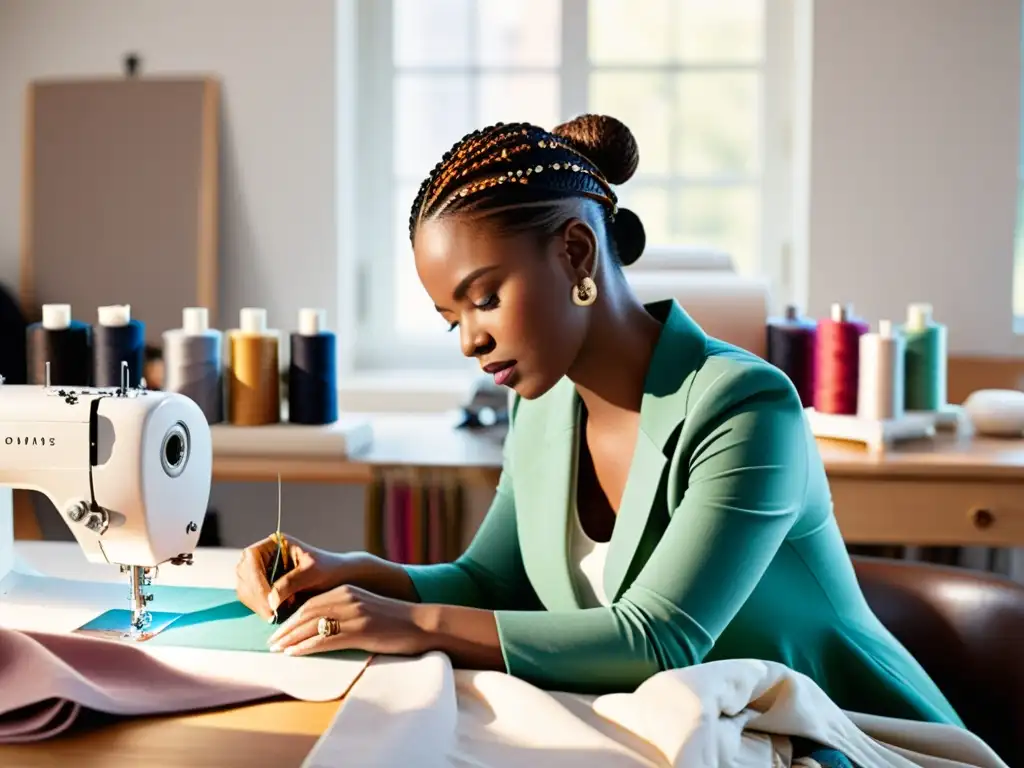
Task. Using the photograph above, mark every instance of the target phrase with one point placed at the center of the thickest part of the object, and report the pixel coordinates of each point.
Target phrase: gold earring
(584, 293)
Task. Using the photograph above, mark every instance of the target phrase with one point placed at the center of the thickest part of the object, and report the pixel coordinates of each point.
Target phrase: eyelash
(489, 303)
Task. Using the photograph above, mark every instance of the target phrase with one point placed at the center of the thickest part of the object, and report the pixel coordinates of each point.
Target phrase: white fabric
(726, 713)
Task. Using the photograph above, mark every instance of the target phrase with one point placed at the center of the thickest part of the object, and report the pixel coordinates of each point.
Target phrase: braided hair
(507, 166)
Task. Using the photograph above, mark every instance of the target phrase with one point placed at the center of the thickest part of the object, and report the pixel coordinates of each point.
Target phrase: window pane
(431, 112)
(653, 205)
(719, 30)
(644, 102)
(414, 312)
(431, 32)
(630, 31)
(718, 123)
(518, 98)
(721, 217)
(525, 33)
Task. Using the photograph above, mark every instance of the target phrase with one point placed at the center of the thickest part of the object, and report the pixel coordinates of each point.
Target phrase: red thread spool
(837, 363)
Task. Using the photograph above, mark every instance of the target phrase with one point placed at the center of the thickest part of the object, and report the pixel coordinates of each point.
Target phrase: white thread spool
(880, 388)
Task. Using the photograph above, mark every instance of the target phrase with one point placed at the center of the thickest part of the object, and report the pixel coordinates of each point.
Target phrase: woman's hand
(355, 620)
(309, 571)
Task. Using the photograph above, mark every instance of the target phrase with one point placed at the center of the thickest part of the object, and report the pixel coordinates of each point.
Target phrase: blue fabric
(826, 757)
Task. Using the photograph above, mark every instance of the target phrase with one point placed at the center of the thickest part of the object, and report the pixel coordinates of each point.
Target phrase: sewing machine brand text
(28, 441)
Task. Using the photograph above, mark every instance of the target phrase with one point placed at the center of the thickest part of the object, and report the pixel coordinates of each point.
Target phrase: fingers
(340, 604)
(290, 584)
(342, 641)
(251, 577)
(306, 631)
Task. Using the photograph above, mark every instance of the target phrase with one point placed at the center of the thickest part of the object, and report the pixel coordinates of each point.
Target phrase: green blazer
(725, 544)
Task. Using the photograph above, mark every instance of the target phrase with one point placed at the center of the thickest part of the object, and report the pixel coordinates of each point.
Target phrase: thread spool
(312, 371)
(253, 372)
(926, 359)
(192, 362)
(791, 348)
(62, 342)
(117, 338)
(837, 369)
(880, 394)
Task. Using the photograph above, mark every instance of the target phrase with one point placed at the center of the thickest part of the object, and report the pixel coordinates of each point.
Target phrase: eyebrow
(468, 280)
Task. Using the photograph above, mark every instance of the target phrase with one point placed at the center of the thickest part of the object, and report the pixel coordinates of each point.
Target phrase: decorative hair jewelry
(584, 293)
(519, 144)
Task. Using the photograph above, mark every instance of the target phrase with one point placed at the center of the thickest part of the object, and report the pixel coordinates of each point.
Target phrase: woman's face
(507, 297)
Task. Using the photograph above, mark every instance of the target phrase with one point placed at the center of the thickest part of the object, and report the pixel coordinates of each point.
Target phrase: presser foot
(139, 579)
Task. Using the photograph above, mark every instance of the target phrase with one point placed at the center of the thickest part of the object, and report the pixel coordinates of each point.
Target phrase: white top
(586, 556)
(115, 315)
(919, 316)
(195, 321)
(312, 321)
(253, 320)
(56, 317)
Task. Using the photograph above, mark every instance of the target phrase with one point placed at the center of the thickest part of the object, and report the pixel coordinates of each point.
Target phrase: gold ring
(326, 627)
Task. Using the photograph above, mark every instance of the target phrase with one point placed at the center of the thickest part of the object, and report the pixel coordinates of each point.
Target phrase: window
(691, 78)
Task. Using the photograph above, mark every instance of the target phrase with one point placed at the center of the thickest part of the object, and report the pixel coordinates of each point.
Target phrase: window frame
(367, 296)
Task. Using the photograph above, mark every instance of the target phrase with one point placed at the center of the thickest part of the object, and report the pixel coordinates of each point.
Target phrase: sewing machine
(129, 470)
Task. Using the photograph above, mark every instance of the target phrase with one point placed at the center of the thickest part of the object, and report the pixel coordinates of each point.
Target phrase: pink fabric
(46, 679)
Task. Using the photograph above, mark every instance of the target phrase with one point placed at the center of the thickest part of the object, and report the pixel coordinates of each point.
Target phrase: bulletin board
(120, 197)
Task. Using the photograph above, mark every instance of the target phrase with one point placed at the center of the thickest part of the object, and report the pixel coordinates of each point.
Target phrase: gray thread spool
(193, 363)
(880, 390)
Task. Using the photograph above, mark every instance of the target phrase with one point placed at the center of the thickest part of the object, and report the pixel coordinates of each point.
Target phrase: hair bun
(630, 237)
(606, 142)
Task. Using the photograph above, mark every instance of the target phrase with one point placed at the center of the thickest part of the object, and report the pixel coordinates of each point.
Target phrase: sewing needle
(277, 535)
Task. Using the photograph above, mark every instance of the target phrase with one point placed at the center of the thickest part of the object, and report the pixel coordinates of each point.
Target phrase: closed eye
(489, 302)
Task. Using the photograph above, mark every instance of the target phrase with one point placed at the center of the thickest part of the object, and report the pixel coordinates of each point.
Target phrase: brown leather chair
(967, 630)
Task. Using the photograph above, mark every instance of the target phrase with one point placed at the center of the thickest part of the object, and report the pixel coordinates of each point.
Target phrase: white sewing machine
(129, 470)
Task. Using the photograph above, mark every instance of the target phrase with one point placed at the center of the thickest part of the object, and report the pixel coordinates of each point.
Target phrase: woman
(662, 501)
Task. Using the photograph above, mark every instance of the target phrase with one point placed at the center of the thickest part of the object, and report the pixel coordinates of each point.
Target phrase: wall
(906, 138)
(911, 113)
(276, 62)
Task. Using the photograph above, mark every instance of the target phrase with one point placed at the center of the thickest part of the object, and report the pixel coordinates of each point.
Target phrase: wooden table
(946, 491)
(278, 733)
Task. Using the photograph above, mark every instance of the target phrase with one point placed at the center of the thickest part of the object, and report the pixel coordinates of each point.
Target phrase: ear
(580, 245)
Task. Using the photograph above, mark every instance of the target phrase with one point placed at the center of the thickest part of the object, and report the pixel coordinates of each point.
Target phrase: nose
(474, 340)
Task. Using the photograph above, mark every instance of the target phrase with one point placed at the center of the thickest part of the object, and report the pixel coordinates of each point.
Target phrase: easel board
(120, 197)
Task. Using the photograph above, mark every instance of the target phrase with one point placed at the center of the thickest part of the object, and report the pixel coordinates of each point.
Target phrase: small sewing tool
(281, 554)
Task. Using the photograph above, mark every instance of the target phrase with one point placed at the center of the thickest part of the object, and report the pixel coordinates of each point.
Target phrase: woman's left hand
(353, 619)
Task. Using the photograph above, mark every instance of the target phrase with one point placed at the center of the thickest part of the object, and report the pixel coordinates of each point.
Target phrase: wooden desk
(946, 491)
(277, 733)
(423, 441)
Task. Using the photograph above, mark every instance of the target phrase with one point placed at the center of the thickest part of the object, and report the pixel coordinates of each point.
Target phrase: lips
(502, 372)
